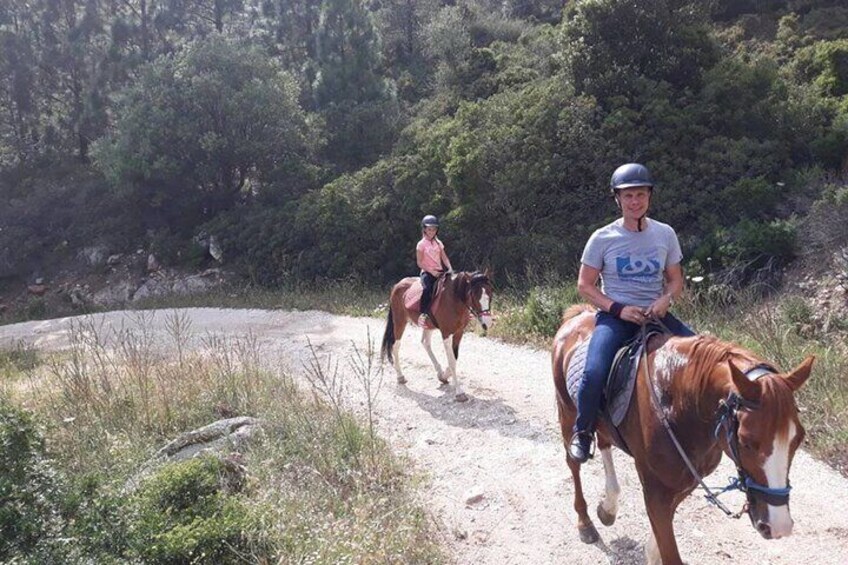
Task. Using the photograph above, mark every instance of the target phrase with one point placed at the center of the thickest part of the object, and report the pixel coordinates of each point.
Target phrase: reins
(727, 419)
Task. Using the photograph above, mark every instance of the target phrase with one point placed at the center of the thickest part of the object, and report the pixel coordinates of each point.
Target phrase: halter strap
(727, 419)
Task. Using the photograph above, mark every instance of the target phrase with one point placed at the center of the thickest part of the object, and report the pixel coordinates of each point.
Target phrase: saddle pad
(412, 296)
(616, 408)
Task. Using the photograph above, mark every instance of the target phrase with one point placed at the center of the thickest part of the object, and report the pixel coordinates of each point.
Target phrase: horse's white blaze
(486, 320)
(667, 361)
(776, 469)
(652, 551)
(610, 500)
(485, 300)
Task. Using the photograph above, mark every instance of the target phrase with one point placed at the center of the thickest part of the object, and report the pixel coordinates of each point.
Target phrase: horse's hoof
(588, 534)
(401, 380)
(606, 518)
(442, 378)
(462, 397)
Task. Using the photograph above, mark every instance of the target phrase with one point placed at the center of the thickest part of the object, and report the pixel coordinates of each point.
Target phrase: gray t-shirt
(633, 264)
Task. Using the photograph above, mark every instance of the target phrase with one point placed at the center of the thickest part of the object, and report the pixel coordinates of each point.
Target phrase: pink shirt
(432, 254)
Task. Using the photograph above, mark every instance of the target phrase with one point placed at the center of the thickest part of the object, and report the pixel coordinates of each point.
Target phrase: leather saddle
(621, 380)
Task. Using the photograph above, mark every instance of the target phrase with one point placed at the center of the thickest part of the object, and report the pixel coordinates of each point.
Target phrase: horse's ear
(488, 272)
(749, 390)
(800, 374)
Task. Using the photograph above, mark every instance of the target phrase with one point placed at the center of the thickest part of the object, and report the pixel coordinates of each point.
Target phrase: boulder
(221, 439)
(152, 264)
(215, 249)
(114, 294)
(37, 289)
(94, 255)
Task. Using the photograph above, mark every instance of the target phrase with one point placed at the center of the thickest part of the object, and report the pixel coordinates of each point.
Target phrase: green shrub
(21, 357)
(544, 308)
(36, 308)
(797, 313)
(184, 514)
(30, 492)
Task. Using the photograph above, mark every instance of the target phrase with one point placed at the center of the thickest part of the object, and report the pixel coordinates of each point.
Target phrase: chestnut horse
(456, 297)
(709, 397)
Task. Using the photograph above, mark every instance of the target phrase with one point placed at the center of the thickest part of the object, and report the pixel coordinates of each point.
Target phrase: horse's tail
(388, 338)
(575, 310)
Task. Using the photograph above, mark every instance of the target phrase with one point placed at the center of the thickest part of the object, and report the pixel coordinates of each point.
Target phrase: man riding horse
(638, 261)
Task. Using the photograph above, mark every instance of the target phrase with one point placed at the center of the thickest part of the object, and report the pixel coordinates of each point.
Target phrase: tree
(201, 130)
(611, 43)
(356, 102)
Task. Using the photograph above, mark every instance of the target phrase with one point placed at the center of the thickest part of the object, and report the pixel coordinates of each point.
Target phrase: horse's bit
(728, 420)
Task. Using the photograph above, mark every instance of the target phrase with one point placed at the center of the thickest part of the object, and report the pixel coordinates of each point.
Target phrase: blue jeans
(610, 334)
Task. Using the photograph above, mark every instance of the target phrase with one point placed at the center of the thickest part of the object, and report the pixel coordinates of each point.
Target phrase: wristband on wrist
(616, 308)
(671, 299)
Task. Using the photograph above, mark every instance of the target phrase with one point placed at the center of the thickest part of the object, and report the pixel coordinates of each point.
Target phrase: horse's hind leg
(396, 363)
(608, 506)
(399, 320)
(425, 341)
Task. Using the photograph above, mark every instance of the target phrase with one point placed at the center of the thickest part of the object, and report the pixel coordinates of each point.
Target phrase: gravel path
(504, 444)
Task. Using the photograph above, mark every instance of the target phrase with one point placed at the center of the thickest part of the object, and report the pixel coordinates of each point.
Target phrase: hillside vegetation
(310, 137)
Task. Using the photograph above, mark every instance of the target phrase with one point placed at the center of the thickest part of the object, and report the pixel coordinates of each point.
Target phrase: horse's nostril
(764, 529)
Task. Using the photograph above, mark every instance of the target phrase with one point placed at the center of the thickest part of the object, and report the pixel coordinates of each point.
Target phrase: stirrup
(585, 453)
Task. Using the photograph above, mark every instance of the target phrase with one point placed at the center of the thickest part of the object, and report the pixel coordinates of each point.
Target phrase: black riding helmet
(630, 175)
(429, 220)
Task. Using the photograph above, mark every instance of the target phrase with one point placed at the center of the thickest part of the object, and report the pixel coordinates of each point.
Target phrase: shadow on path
(477, 413)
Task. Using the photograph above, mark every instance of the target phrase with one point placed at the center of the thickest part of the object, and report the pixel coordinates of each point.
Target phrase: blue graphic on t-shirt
(636, 267)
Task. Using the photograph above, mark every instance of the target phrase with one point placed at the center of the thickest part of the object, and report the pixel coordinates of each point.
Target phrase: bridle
(727, 418)
(477, 279)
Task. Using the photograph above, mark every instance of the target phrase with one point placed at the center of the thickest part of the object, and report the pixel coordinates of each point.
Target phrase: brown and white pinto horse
(716, 397)
(456, 297)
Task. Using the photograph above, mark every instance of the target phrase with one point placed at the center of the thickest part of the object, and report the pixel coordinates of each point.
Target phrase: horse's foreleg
(608, 506)
(457, 384)
(661, 503)
(425, 341)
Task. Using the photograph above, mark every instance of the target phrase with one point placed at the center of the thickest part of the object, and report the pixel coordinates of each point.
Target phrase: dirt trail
(504, 443)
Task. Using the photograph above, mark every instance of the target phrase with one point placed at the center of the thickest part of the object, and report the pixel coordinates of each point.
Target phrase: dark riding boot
(580, 448)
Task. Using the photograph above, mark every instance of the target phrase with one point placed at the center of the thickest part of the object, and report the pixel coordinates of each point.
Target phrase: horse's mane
(467, 281)
(706, 353)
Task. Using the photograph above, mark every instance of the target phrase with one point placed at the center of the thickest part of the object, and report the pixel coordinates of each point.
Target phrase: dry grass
(324, 487)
